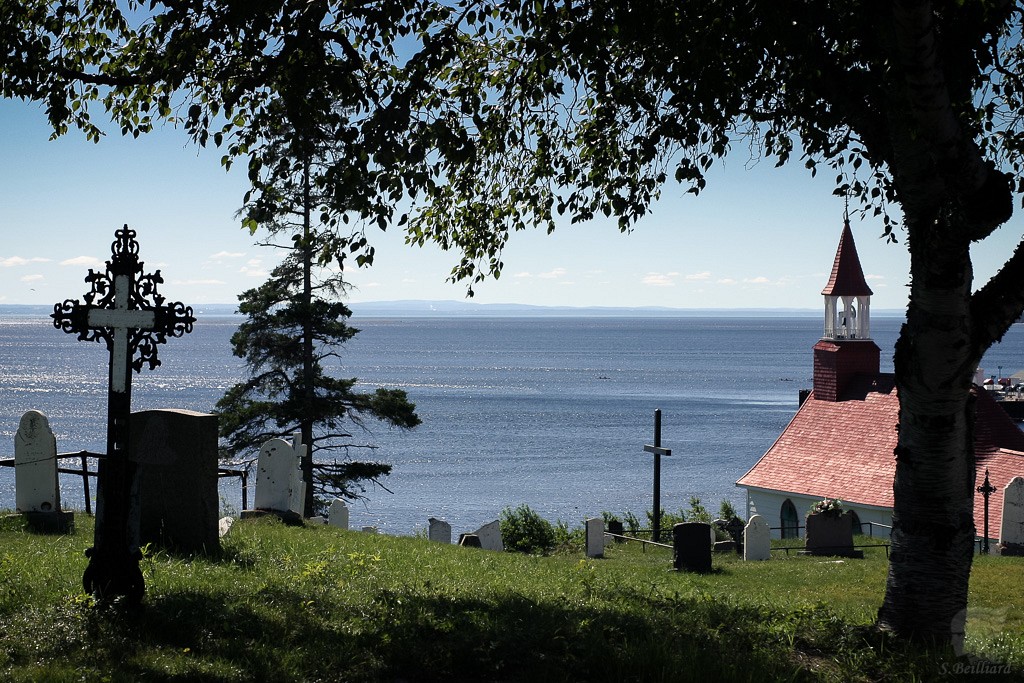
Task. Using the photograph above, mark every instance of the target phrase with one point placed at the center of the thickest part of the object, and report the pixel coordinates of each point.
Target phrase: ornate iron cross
(126, 312)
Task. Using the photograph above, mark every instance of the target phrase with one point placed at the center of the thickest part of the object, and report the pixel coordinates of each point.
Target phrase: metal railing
(84, 472)
(643, 542)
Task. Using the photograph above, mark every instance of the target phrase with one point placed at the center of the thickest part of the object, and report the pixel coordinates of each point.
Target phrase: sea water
(551, 412)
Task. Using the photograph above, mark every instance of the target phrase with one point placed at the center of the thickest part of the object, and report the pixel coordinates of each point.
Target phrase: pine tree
(296, 321)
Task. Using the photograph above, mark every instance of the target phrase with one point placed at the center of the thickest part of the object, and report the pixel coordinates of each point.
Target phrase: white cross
(120, 319)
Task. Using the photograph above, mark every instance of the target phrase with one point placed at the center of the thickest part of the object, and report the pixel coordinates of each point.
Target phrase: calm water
(549, 412)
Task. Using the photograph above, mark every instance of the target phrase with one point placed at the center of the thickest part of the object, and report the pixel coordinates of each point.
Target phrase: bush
(727, 512)
(524, 531)
(570, 540)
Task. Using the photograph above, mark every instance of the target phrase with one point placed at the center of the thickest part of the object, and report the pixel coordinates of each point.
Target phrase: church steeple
(846, 349)
(847, 295)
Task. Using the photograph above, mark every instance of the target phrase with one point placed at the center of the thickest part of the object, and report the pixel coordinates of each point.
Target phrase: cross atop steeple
(847, 285)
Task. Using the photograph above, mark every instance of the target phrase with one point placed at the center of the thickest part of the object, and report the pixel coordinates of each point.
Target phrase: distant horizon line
(452, 307)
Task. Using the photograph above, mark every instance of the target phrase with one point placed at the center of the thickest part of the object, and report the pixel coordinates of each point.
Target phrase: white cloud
(254, 268)
(658, 280)
(760, 280)
(222, 256)
(90, 261)
(19, 261)
(726, 281)
(703, 275)
(33, 278)
(874, 277)
(524, 274)
(553, 274)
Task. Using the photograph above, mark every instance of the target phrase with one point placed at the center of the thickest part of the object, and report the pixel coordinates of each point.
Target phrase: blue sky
(758, 237)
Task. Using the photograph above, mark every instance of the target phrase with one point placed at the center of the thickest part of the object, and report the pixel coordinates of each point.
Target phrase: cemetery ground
(318, 603)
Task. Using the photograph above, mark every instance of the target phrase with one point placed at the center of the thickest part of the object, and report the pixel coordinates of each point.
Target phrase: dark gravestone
(734, 527)
(831, 534)
(470, 541)
(615, 527)
(691, 546)
(175, 452)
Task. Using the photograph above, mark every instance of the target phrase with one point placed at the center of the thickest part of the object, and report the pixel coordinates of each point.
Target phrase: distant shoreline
(466, 309)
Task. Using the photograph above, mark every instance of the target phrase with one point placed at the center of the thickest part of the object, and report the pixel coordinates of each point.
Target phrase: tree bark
(937, 172)
(933, 491)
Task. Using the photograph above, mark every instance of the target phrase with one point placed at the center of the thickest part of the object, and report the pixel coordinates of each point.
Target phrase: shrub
(525, 531)
(727, 512)
(697, 513)
(570, 540)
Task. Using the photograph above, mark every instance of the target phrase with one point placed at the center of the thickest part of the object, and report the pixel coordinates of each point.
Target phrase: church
(840, 442)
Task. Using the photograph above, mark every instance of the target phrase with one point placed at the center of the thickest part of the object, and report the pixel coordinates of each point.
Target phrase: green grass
(311, 604)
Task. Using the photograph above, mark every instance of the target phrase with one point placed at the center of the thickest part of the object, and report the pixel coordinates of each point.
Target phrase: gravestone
(439, 531)
(595, 537)
(490, 536)
(37, 489)
(175, 484)
(469, 541)
(830, 534)
(224, 525)
(615, 527)
(337, 515)
(734, 527)
(369, 530)
(279, 485)
(35, 465)
(691, 547)
(757, 544)
(1011, 529)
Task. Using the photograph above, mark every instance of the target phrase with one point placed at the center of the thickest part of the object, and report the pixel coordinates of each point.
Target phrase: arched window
(790, 520)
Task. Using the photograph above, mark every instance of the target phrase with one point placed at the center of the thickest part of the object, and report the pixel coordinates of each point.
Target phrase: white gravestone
(337, 515)
(35, 465)
(595, 537)
(439, 531)
(279, 484)
(490, 536)
(757, 544)
(1011, 530)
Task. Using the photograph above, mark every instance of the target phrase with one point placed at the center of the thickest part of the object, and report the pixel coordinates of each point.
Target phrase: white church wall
(768, 504)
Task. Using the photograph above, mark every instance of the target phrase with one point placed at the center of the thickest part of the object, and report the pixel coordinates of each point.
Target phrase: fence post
(85, 482)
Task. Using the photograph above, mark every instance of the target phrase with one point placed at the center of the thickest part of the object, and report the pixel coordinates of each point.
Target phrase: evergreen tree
(296, 321)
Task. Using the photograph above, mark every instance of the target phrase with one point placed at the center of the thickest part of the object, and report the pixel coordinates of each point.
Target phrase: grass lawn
(319, 604)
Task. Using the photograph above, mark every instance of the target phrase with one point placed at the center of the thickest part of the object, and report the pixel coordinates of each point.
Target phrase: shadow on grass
(281, 634)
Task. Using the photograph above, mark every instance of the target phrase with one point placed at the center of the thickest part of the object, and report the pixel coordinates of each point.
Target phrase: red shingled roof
(844, 449)
(847, 277)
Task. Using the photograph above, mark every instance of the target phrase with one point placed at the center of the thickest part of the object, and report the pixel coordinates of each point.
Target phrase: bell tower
(845, 348)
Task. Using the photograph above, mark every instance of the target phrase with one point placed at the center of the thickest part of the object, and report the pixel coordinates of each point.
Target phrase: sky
(757, 237)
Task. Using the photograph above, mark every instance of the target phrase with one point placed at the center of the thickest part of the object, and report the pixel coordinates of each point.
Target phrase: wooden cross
(126, 312)
(657, 451)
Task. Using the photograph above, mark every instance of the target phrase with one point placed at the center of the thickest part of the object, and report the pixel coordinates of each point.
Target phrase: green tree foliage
(296, 320)
(502, 116)
(525, 531)
(279, 399)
